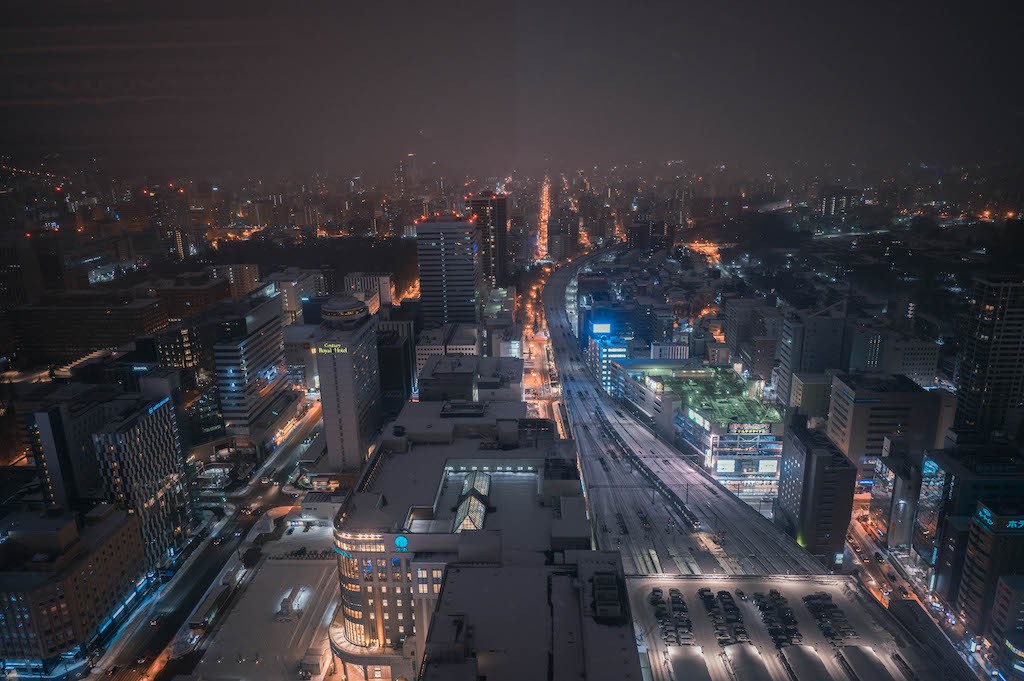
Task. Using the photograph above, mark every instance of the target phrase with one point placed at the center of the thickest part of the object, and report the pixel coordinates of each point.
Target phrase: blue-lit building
(68, 584)
(143, 469)
(953, 482)
(601, 352)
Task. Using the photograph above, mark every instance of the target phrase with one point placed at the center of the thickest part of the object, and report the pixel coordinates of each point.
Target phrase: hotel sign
(999, 522)
(333, 349)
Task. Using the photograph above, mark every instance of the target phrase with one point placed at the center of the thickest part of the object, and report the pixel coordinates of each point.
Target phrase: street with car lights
(140, 654)
(649, 500)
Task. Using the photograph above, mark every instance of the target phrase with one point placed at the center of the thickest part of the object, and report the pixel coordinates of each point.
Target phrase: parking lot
(763, 629)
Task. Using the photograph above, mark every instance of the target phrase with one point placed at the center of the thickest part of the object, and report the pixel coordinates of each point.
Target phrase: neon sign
(333, 349)
(401, 544)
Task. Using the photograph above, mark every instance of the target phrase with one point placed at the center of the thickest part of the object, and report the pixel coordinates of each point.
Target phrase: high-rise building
(65, 585)
(449, 269)
(244, 279)
(816, 485)
(397, 359)
(990, 367)
(872, 347)
(347, 363)
(60, 421)
(143, 469)
(295, 285)
(248, 354)
(1006, 628)
(490, 211)
(953, 481)
(865, 408)
(169, 217)
(810, 342)
(834, 203)
(186, 295)
(995, 547)
(372, 282)
(20, 279)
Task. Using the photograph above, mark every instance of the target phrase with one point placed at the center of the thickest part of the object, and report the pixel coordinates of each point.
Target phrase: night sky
(270, 88)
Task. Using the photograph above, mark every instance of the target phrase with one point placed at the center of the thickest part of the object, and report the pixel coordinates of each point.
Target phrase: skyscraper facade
(143, 470)
(249, 360)
(490, 211)
(350, 392)
(449, 267)
(816, 487)
(990, 368)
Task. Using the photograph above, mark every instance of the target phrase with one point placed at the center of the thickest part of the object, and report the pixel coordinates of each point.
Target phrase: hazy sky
(343, 86)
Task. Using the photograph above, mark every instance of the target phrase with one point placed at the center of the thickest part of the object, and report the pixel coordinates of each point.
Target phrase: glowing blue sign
(401, 544)
(985, 516)
(159, 404)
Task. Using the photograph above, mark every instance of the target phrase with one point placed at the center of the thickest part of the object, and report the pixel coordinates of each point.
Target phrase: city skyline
(404, 342)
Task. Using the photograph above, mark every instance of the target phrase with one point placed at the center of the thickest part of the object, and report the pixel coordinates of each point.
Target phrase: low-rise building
(449, 484)
(449, 339)
(578, 613)
(475, 379)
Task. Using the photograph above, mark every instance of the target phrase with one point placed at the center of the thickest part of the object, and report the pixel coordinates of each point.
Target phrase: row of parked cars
(830, 618)
(673, 617)
(779, 619)
(725, 615)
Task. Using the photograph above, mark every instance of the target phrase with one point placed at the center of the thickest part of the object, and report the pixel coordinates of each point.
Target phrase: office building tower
(49, 252)
(601, 352)
(372, 282)
(143, 469)
(62, 328)
(449, 270)
(995, 547)
(874, 348)
(990, 366)
(20, 279)
(865, 408)
(953, 481)
(490, 212)
(244, 279)
(59, 421)
(894, 494)
(738, 315)
(347, 365)
(186, 295)
(809, 394)
(295, 285)
(1006, 627)
(816, 485)
(168, 214)
(835, 203)
(452, 483)
(248, 353)
(66, 586)
(300, 356)
(397, 357)
(811, 342)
